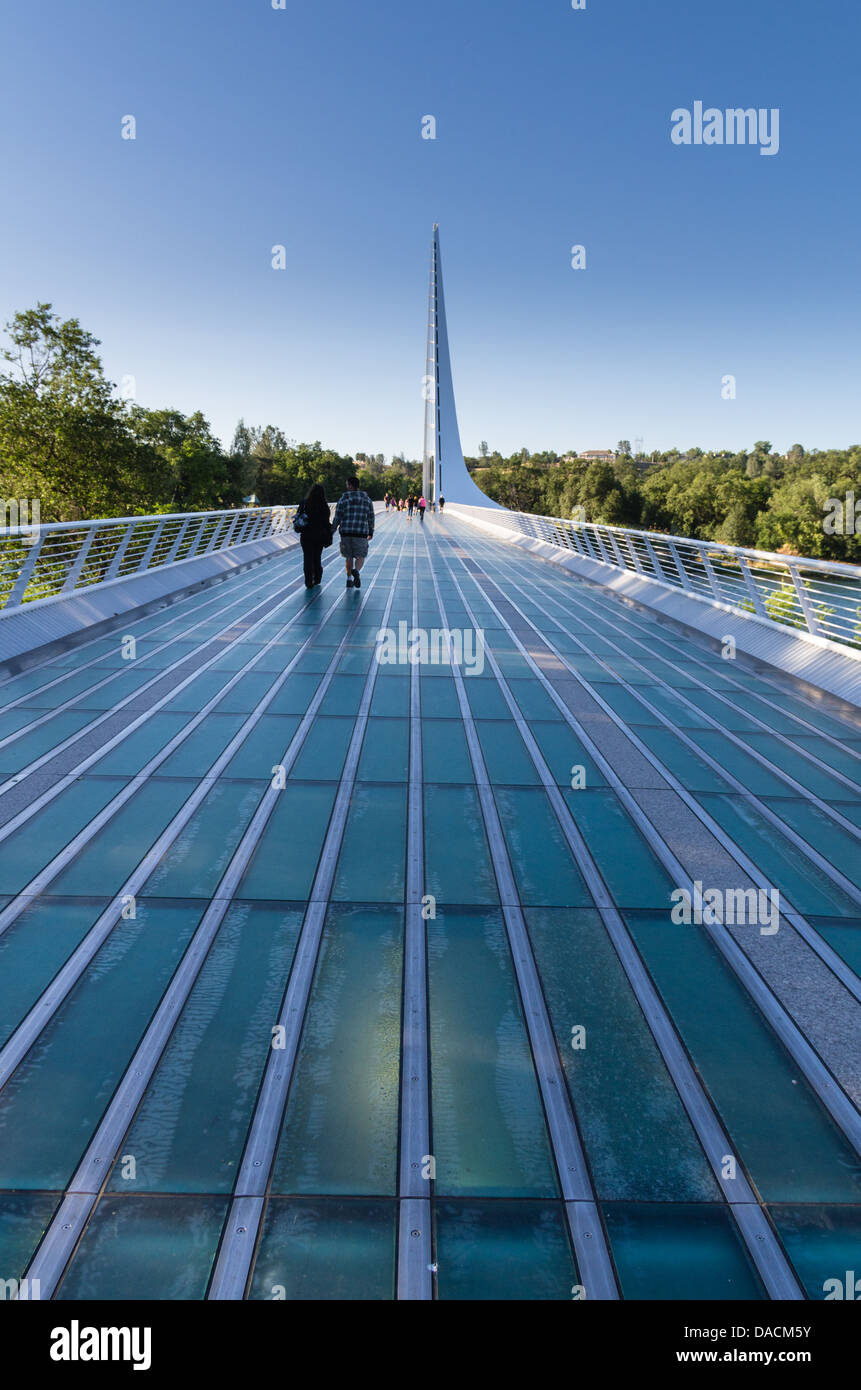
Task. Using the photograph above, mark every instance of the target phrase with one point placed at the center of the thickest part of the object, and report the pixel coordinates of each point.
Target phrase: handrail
(821, 598)
(42, 561)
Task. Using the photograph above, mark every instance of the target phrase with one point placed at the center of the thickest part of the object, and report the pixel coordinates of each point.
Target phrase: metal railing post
(750, 582)
(77, 567)
(25, 574)
(150, 550)
(807, 607)
(677, 561)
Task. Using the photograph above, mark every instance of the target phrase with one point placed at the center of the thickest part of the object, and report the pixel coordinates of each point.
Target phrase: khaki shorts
(354, 547)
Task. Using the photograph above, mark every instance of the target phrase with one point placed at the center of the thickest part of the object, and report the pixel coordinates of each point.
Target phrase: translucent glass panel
(824, 1244)
(640, 1141)
(54, 1101)
(667, 1251)
(24, 1217)
(146, 1248)
(326, 1250)
(790, 1146)
(489, 1132)
(504, 1251)
(341, 1125)
(190, 1130)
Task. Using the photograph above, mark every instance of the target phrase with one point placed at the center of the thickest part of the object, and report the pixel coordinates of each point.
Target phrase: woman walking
(315, 533)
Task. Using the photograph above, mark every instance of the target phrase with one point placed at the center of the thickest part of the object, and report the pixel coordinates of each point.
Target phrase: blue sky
(302, 127)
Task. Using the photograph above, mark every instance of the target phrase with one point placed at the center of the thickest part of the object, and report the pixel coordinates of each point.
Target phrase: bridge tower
(444, 473)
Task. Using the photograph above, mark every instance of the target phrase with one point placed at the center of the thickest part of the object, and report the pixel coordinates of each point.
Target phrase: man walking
(354, 516)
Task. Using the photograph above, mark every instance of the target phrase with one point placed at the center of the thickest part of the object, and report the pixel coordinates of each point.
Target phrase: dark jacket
(319, 528)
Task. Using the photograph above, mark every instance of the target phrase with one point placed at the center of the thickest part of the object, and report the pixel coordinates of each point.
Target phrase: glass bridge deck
(330, 978)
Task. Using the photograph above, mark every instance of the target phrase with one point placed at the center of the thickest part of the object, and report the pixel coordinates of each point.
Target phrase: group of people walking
(410, 504)
(354, 518)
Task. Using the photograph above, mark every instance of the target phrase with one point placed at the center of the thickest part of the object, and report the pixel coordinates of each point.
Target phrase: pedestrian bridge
(531, 976)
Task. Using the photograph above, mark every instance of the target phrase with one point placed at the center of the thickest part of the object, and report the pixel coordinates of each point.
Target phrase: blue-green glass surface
(371, 864)
(755, 778)
(563, 753)
(488, 1124)
(73, 685)
(667, 702)
(392, 697)
(729, 717)
(839, 846)
(11, 720)
(485, 699)
(633, 873)
(667, 1251)
(340, 1129)
(154, 660)
(792, 1149)
(27, 850)
(199, 691)
(545, 870)
(824, 1245)
(140, 746)
(29, 747)
(122, 687)
(532, 699)
(107, 860)
(190, 1130)
(458, 867)
(843, 758)
(196, 755)
(385, 751)
(24, 1217)
(842, 936)
(146, 1248)
(807, 887)
(248, 691)
(34, 948)
(321, 757)
(445, 752)
(285, 860)
(263, 749)
(54, 1101)
(505, 755)
(344, 695)
(503, 1251)
(326, 1251)
(295, 695)
(688, 766)
(640, 1142)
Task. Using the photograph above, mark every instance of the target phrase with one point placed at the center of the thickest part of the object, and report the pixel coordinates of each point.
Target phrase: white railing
(819, 597)
(41, 562)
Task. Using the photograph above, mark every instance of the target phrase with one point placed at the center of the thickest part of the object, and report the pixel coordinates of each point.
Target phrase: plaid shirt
(355, 514)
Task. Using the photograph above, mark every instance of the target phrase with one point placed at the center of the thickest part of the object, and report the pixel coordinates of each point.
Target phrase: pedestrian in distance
(411, 502)
(315, 533)
(441, 505)
(422, 506)
(354, 517)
